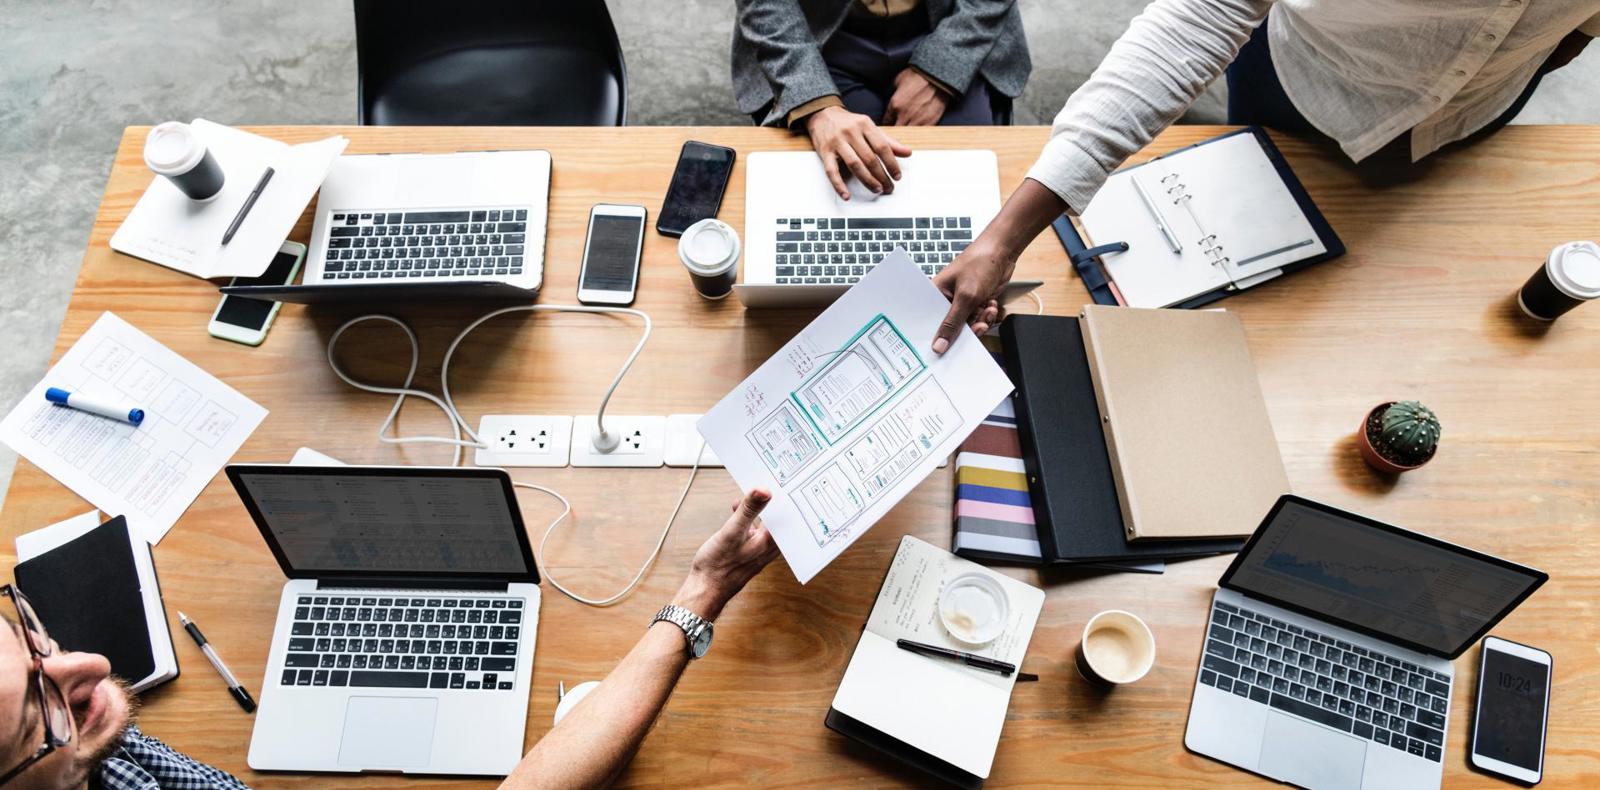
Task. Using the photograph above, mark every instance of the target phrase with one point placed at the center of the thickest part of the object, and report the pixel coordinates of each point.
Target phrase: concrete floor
(75, 72)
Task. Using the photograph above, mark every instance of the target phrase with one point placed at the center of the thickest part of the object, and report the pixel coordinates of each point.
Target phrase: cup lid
(1574, 267)
(974, 608)
(173, 149)
(708, 246)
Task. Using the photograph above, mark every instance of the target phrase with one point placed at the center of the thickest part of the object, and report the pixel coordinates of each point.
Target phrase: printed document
(853, 413)
(148, 473)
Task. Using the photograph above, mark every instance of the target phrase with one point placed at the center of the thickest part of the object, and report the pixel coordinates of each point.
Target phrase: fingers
(750, 507)
(883, 148)
(960, 308)
(891, 113)
(830, 165)
(858, 167)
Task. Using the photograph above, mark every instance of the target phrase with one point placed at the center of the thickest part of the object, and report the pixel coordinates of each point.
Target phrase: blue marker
(132, 415)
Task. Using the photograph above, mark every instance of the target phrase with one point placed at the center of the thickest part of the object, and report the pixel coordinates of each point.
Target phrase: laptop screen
(387, 521)
(1401, 586)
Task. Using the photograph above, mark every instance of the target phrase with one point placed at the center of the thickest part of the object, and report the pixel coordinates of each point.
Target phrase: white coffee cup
(174, 151)
(709, 249)
(1117, 648)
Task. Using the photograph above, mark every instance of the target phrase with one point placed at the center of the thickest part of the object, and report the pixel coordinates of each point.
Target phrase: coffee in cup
(1117, 648)
(709, 249)
(1569, 277)
(174, 151)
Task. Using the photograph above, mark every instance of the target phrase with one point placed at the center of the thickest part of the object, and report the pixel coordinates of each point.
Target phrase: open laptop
(1327, 656)
(405, 635)
(425, 226)
(804, 246)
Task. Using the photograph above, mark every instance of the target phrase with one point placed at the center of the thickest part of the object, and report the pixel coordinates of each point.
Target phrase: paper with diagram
(853, 413)
(149, 473)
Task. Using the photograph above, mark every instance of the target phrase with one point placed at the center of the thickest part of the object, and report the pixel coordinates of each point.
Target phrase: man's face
(101, 709)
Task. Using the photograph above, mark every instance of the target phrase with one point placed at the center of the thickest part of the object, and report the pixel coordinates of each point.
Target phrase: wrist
(700, 596)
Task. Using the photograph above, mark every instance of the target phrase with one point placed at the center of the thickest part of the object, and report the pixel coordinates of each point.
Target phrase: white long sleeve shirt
(1361, 71)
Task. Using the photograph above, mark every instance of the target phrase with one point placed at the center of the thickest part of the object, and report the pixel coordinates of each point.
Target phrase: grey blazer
(777, 49)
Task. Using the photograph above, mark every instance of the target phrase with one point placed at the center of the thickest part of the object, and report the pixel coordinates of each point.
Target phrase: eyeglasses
(52, 704)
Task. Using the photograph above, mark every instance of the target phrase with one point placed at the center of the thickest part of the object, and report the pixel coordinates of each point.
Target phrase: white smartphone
(610, 273)
(1508, 725)
(246, 320)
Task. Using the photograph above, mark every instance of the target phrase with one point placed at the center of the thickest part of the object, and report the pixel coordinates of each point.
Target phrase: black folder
(902, 751)
(1064, 449)
(89, 597)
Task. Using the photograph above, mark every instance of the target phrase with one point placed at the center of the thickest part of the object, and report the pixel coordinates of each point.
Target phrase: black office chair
(489, 63)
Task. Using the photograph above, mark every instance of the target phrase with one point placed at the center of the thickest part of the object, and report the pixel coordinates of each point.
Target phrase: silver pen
(1172, 238)
(234, 687)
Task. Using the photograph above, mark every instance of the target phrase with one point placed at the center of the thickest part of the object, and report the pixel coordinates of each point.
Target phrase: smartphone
(1508, 725)
(697, 186)
(610, 273)
(246, 320)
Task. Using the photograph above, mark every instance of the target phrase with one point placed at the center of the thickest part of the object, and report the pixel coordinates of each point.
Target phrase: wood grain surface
(1421, 307)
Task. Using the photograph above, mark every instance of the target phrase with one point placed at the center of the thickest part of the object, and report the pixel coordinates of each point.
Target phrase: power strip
(556, 440)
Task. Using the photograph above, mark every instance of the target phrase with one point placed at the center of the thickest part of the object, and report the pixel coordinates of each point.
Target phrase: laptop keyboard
(839, 250)
(450, 245)
(1347, 687)
(446, 642)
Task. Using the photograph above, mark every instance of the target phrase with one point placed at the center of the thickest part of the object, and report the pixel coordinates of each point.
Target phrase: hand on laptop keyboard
(850, 139)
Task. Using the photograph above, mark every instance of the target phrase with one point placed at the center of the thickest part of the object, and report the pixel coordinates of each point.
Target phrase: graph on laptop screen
(1383, 581)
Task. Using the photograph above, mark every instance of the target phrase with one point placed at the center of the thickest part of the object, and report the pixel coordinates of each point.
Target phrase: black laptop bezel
(384, 293)
(1540, 577)
(236, 471)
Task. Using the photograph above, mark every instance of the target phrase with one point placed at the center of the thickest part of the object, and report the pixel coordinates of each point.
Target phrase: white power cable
(458, 424)
(1037, 300)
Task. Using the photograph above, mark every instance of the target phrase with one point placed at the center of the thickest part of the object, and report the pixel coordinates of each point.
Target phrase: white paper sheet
(853, 413)
(168, 228)
(150, 473)
(43, 539)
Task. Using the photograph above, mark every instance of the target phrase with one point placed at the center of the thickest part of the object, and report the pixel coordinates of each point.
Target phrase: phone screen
(610, 264)
(697, 185)
(1511, 709)
(243, 311)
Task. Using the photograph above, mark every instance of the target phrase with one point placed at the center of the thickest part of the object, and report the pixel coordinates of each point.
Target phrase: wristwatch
(696, 629)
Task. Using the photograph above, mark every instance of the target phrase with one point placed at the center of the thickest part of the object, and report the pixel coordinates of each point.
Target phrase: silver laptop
(425, 226)
(405, 635)
(804, 246)
(1327, 659)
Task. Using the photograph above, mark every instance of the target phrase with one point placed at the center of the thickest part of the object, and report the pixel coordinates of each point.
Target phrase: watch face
(702, 641)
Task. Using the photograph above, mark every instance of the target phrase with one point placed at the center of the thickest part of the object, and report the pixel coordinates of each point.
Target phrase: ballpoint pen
(1161, 222)
(249, 203)
(970, 659)
(234, 688)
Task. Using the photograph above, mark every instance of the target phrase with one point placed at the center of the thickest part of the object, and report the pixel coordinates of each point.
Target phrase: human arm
(787, 54)
(1161, 64)
(595, 741)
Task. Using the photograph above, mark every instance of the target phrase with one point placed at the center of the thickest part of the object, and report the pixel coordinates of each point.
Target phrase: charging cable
(458, 425)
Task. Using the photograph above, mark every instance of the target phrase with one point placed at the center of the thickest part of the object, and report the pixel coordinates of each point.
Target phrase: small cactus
(1408, 433)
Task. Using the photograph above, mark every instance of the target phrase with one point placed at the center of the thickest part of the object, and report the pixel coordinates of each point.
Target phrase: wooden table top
(1421, 307)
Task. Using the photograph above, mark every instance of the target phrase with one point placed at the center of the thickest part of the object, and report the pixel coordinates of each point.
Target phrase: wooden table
(1421, 307)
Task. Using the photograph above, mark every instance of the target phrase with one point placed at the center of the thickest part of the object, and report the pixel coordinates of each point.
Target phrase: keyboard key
(875, 223)
(494, 664)
(1425, 734)
(339, 677)
(1434, 753)
(1220, 666)
(1436, 688)
(1217, 648)
(1363, 730)
(1259, 694)
(288, 677)
(415, 217)
(405, 680)
(458, 680)
(1312, 712)
(1208, 677)
(300, 660)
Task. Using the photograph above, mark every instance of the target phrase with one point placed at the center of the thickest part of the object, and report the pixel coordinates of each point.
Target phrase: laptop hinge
(390, 582)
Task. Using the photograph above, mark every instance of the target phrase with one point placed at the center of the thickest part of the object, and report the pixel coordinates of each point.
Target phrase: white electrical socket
(683, 439)
(524, 440)
(642, 441)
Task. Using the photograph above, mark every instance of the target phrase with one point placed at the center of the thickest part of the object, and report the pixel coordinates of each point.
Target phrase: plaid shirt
(144, 763)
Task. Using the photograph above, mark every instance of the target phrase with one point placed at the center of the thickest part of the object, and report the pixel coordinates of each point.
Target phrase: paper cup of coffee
(173, 150)
(1568, 278)
(1117, 648)
(709, 249)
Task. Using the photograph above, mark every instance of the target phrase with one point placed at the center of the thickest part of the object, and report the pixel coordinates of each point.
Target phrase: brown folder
(1191, 446)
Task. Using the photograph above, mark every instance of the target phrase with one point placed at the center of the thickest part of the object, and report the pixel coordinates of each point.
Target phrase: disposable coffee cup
(1117, 649)
(1568, 278)
(709, 249)
(174, 151)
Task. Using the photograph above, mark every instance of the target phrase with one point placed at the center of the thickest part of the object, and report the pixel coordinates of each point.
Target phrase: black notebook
(94, 594)
(1064, 449)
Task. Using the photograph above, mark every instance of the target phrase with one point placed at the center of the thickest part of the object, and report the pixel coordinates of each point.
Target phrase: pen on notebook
(133, 415)
(1155, 213)
(970, 659)
(249, 203)
(238, 692)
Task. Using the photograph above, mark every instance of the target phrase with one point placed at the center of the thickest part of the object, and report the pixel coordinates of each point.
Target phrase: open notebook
(938, 715)
(1201, 222)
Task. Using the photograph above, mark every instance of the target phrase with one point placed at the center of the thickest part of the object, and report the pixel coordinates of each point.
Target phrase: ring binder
(1209, 245)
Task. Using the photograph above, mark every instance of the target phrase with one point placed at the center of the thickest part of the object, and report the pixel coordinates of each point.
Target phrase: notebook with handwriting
(1202, 222)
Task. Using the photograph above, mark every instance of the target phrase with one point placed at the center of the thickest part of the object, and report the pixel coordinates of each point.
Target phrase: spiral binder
(1178, 193)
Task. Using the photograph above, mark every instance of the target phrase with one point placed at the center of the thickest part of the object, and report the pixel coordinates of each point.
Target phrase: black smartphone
(1508, 726)
(697, 186)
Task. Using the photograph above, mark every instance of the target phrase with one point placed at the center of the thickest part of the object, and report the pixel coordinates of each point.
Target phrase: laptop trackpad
(1308, 755)
(387, 732)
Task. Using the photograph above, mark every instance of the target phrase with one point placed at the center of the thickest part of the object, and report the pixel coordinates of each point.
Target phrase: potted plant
(1399, 436)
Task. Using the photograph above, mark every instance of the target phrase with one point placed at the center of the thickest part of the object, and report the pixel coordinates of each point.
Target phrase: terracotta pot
(1371, 455)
